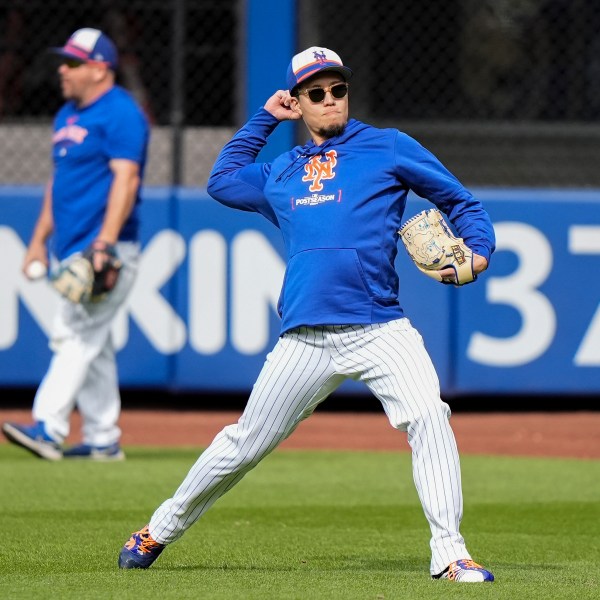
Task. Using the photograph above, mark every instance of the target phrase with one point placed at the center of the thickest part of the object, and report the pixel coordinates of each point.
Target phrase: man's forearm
(121, 200)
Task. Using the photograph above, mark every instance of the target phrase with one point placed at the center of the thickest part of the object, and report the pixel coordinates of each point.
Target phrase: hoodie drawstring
(289, 171)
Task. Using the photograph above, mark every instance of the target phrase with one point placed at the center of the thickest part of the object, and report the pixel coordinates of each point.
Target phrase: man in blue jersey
(338, 201)
(99, 150)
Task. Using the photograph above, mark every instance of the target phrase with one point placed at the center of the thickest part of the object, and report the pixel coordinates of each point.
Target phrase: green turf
(302, 525)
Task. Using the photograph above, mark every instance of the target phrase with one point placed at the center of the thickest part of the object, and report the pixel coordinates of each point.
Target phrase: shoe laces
(142, 542)
(461, 565)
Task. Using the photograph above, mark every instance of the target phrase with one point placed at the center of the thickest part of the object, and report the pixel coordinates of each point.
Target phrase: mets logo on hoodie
(317, 170)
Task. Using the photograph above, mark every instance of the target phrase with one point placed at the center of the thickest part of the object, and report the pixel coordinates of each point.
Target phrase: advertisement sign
(202, 314)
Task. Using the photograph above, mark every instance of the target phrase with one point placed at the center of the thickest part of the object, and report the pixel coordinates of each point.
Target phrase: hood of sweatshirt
(301, 155)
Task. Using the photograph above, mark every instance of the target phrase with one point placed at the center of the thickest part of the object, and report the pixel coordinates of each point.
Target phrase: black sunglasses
(72, 63)
(316, 95)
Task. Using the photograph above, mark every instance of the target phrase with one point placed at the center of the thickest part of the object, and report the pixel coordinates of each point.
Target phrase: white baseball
(36, 269)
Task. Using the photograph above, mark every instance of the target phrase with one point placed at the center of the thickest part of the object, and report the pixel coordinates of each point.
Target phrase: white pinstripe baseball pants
(305, 366)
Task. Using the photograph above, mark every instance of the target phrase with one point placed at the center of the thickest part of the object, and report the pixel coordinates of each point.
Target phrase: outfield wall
(202, 314)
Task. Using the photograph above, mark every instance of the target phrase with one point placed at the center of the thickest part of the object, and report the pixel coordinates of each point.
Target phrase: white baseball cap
(89, 44)
(314, 60)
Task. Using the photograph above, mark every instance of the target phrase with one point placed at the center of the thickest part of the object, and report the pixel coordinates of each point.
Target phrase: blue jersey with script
(85, 140)
(339, 207)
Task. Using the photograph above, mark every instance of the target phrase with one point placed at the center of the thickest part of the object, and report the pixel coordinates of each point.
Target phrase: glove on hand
(433, 247)
(75, 280)
(89, 277)
(106, 265)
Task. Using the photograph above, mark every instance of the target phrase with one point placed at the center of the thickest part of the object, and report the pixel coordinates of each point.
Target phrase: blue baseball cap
(314, 60)
(89, 44)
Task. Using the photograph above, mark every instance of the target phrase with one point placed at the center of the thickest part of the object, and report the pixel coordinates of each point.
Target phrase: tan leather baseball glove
(75, 280)
(90, 276)
(431, 244)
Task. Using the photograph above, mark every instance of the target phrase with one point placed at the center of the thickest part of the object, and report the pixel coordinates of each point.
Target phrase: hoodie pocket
(328, 281)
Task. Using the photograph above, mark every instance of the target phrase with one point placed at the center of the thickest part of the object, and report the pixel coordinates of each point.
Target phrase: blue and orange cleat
(140, 551)
(466, 571)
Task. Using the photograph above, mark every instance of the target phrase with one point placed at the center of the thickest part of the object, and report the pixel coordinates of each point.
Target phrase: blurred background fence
(505, 92)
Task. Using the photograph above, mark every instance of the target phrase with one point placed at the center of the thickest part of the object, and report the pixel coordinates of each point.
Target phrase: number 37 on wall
(520, 290)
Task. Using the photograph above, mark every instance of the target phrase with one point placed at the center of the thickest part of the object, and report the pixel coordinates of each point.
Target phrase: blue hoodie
(339, 207)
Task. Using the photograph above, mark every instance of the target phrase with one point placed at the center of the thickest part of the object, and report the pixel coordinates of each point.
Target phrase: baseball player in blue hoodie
(338, 201)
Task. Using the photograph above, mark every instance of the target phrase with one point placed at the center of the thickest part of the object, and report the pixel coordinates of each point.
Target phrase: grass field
(303, 525)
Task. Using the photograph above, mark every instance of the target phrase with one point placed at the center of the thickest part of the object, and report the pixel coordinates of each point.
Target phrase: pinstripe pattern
(306, 365)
